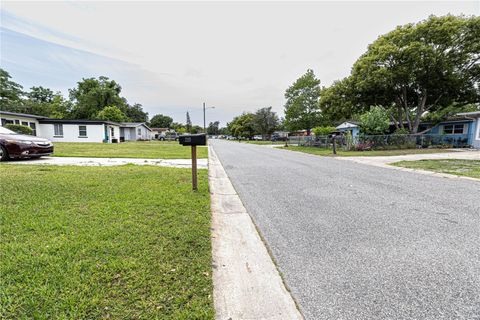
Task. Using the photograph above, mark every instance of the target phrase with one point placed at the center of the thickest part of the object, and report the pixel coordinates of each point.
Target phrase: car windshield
(6, 131)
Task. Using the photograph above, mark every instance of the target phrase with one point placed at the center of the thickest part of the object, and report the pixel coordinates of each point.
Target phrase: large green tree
(242, 126)
(43, 101)
(421, 68)
(302, 109)
(40, 95)
(11, 93)
(161, 121)
(135, 113)
(93, 95)
(111, 113)
(265, 121)
(338, 101)
(213, 128)
(188, 125)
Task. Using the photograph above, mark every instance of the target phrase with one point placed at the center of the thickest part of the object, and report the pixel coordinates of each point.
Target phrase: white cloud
(233, 55)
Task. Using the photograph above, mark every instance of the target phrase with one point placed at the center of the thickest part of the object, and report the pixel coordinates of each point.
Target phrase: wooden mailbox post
(194, 140)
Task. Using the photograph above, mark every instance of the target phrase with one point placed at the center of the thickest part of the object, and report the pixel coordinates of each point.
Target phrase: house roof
(469, 114)
(134, 125)
(347, 124)
(34, 116)
(67, 121)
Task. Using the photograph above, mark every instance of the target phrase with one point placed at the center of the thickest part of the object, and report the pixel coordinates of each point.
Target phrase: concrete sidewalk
(81, 161)
(385, 162)
(374, 160)
(246, 282)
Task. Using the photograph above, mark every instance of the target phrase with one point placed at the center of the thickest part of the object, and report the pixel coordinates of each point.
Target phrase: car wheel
(3, 154)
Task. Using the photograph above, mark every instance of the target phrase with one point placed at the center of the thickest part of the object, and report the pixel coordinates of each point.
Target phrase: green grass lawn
(130, 242)
(460, 167)
(328, 152)
(138, 149)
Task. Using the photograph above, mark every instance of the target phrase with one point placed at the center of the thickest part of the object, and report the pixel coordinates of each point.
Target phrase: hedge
(18, 128)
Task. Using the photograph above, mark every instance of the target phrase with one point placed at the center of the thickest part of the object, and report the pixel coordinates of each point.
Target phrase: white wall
(476, 138)
(22, 120)
(95, 132)
(144, 133)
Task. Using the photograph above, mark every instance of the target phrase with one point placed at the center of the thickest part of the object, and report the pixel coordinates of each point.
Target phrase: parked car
(14, 145)
(168, 136)
(257, 137)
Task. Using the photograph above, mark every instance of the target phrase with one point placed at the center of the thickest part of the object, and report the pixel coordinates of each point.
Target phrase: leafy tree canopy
(375, 121)
(111, 113)
(161, 121)
(265, 121)
(421, 67)
(135, 113)
(302, 109)
(93, 95)
(242, 126)
(10, 92)
(213, 128)
(323, 131)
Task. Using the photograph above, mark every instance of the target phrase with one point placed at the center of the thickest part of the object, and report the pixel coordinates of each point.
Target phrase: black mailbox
(193, 140)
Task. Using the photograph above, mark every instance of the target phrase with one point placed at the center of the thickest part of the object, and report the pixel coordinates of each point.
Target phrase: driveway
(355, 241)
(81, 161)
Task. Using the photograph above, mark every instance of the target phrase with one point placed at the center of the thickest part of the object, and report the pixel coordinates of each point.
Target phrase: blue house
(349, 126)
(462, 130)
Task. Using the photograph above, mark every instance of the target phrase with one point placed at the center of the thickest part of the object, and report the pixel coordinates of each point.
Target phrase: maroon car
(14, 145)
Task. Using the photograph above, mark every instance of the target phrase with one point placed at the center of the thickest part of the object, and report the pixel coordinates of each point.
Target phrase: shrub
(323, 131)
(19, 128)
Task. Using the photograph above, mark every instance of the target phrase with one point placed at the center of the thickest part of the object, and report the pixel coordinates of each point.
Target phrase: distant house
(156, 132)
(61, 130)
(349, 126)
(133, 131)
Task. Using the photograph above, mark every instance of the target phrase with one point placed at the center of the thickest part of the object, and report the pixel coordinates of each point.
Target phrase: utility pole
(204, 128)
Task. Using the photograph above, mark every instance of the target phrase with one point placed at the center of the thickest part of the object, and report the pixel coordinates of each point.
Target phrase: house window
(5, 122)
(58, 130)
(34, 128)
(454, 129)
(112, 132)
(17, 121)
(82, 131)
(139, 131)
(24, 123)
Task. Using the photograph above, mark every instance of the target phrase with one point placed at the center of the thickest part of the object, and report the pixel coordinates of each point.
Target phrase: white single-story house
(28, 120)
(133, 131)
(62, 130)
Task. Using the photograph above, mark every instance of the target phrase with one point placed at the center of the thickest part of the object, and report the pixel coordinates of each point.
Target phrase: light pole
(204, 126)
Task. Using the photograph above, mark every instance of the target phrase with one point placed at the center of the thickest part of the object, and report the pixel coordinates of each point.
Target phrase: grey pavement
(356, 241)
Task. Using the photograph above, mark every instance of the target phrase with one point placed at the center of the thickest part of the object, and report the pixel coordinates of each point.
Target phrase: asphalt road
(355, 241)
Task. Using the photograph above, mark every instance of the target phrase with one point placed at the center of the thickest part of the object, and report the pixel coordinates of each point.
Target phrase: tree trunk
(420, 108)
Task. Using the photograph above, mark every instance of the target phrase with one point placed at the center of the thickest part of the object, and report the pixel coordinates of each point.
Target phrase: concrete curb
(246, 283)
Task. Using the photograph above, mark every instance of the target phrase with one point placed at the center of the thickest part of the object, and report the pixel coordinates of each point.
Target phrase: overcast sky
(170, 57)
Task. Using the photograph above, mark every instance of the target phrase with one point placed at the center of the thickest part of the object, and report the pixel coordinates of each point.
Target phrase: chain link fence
(385, 142)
